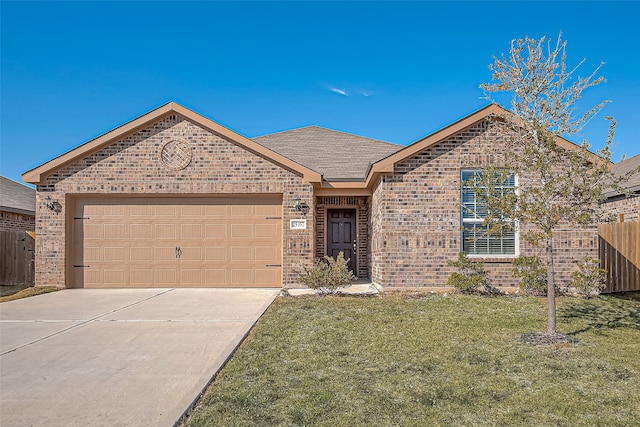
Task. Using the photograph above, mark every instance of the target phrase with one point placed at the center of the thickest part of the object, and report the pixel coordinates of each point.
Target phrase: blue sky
(394, 71)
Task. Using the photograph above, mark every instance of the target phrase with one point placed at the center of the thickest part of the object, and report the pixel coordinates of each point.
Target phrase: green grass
(442, 360)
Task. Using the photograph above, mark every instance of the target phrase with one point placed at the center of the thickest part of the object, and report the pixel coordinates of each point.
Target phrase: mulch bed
(545, 338)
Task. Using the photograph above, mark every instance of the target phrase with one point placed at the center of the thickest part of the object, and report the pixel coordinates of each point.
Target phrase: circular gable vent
(176, 155)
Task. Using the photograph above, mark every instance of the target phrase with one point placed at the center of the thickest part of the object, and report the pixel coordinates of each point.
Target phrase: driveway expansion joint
(79, 322)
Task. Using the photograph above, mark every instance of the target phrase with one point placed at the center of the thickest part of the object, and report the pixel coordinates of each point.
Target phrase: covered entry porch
(342, 225)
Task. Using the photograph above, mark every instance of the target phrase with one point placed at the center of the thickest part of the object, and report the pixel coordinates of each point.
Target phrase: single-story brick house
(617, 203)
(17, 206)
(174, 199)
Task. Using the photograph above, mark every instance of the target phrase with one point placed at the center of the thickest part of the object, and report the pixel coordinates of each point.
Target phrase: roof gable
(37, 175)
(336, 155)
(386, 164)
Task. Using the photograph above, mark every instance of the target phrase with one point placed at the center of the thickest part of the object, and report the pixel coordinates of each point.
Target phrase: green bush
(532, 274)
(471, 278)
(327, 275)
(589, 279)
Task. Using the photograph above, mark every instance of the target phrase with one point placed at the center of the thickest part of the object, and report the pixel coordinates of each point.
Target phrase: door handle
(354, 246)
(178, 252)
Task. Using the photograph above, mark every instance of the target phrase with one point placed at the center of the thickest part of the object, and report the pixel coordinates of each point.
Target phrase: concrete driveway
(118, 357)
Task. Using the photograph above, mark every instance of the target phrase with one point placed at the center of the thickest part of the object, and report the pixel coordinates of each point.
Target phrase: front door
(341, 235)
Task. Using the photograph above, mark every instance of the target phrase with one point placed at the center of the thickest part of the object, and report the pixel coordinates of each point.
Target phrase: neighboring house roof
(17, 198)
(336, 155)
(38, 174)
(622, 168)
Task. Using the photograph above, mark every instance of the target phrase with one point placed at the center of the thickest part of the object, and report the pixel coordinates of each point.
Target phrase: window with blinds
(476, 239)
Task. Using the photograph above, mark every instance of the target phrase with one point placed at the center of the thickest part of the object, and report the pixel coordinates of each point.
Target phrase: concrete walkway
(122, 357)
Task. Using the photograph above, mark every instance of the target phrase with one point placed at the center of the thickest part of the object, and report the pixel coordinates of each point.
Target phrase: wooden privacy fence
(619, 247)
(17, 258)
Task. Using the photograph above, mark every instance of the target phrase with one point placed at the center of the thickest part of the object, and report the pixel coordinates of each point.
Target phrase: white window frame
(478, 220)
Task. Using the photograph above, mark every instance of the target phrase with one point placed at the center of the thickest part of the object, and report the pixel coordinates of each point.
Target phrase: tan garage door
(167, 242)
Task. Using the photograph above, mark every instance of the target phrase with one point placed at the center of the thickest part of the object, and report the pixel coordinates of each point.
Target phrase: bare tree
(565, 183)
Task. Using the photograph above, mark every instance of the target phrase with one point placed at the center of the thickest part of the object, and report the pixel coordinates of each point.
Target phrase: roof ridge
(331, 130)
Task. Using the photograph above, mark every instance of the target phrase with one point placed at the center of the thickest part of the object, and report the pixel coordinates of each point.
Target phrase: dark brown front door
(341, 234)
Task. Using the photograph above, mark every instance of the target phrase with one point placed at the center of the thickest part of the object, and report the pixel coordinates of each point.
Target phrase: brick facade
(408, 216)
(629, 207)
(415, 217)
(132, 165)
(17, 222)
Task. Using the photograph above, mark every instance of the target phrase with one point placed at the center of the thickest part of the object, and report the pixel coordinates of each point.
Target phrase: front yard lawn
(441, 360)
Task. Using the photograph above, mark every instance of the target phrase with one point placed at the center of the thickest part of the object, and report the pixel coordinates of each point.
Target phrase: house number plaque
(298, 224)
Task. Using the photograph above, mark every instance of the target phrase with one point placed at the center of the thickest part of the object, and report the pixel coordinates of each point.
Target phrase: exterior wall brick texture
(629, 207)
(17, 222)
(132, 166)
(415, 217)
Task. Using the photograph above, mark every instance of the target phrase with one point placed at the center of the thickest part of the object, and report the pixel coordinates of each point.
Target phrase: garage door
(168, 242)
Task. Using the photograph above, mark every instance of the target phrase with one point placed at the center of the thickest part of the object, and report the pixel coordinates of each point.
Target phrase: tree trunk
(551, 288)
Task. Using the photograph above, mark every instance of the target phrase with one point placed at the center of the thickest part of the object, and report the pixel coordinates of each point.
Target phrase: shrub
(589, 279)
(471, 277)
(532, 274)
(327, 275)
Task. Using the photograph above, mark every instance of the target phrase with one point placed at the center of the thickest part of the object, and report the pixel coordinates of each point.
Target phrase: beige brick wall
(415, 217)
(132, 166)
(16, 221)
(629, 207)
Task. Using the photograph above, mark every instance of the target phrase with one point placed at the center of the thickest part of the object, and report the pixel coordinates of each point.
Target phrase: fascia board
(36, 175)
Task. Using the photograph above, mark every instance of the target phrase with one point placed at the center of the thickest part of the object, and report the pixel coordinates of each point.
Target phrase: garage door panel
(190, 253)
(215, 253)
(165, 210)
(141, 253)
(241, 253)
(190, 276)
(241, 210)
(114, 277)
(167, 242)
(114, 231)
(117, 253)
(188, 210)
(141, 231)
(191, 231)
(216, 211)
(92, 254)
(266, 231)
(215, 231)
(114, 210)
(164, 276)
(93, 231)
(264, 276)
(165, 253)
(90, 277)
(241, 276)
(267, 253)
(90, 210)
(165, 231)
(241, 231)
(141, 276)
(141, 210)
(267, 210)
(215, 276)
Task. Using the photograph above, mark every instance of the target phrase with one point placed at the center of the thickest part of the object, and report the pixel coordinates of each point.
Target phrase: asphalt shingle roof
(334, 154)
(15, 197)
(623, 167)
